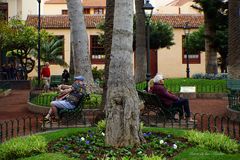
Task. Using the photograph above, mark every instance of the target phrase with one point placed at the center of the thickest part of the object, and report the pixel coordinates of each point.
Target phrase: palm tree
(108, 29)
(233, 40)
(79, 42)
(51, 51)
(210, 9)
(141, 62)
(122, 103)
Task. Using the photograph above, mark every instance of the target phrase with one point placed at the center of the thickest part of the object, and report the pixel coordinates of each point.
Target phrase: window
(4, 11)
(64, 12)
(98, 11)
(193, 58)
(96, 50)
(86, 11)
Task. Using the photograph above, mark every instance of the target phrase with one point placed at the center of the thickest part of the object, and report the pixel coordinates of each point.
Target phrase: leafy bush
(210, 76)
(44, 99)
(22, 147)
(101, 126)
(213, 141)
(97, 74)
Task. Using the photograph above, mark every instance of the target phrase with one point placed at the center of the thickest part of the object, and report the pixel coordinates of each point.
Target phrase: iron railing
(34, 124)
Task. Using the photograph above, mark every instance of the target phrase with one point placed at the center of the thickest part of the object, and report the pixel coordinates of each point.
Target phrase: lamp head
(148, 9)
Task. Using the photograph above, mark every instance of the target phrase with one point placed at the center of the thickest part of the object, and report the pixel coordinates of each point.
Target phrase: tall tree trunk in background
(122, 111)
(233, 40)
(210, 49)
(81, 60)
(107, 43)
(140, 53)
(71, 66)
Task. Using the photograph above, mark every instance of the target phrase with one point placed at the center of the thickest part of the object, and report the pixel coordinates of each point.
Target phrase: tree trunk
(122, 112)
(141, 62)
(107, 43)
(211, 53)
(233, 40)
(81, 60)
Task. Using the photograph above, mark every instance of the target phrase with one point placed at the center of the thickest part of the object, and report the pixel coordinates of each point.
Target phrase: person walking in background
(46, 76)
(65, 76)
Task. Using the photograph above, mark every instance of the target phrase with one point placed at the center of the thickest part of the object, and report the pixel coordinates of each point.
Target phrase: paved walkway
(15, 106)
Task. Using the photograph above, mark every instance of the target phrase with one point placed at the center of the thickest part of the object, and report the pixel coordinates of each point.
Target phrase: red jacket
(45, 72)
(166, 97)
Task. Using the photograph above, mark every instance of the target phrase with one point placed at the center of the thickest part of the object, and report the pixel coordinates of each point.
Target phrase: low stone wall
(233, 115)
(18, 84)
(37, 109)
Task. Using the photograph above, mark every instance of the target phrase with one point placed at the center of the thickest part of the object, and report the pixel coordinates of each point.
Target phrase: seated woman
(168, 98)
(69, 97)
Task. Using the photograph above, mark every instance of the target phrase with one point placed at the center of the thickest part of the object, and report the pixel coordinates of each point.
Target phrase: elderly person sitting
(168, 98)
(69, 97)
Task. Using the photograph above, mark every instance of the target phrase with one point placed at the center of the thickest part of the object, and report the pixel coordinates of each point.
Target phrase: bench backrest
(149, 99)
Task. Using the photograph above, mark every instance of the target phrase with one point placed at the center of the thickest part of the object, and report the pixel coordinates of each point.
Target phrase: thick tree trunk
(211, 53)
(233, 40)
(141, 62)
(122, 112)
(81, 60)
(107, 43)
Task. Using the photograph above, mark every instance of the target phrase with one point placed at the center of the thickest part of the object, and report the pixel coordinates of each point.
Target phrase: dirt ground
(15, 105)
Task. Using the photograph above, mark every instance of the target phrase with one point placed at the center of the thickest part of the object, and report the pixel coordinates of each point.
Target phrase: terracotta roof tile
(179, 20)
(62, 21)
(85, 3)
(178, 2)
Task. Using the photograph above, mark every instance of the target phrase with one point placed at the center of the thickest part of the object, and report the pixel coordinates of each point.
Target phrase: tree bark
(211, 53)
(140, 53)
(233, 40)
(107, 43)
(79, 41)
(122, 112)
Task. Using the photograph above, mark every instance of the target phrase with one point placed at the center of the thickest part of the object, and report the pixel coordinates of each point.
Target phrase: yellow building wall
(56, 69)
(170, 60)
(54, 9)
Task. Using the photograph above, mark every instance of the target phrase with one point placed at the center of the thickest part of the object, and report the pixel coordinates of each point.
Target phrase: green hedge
(202, 85)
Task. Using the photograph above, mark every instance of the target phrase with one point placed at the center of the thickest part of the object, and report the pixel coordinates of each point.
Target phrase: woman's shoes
(189, 119)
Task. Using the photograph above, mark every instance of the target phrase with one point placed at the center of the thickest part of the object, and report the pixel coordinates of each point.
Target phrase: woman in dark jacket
(168, 98)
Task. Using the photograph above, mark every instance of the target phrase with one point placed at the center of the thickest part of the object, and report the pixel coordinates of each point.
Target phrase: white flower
(161, 141)
(103, 134)
(83, 139)
(174, 146)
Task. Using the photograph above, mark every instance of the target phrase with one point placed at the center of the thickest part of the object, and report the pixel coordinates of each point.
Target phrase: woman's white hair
(157, 78)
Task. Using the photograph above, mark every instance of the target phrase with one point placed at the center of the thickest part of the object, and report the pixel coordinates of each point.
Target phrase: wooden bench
(152, 103)
(69, 115)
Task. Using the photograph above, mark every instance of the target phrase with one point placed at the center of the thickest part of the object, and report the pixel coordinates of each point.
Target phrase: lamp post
(186, 29)
(148, 9)
(39, 23)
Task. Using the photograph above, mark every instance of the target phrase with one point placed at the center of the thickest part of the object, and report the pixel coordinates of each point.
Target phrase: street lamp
(148, 9)
(39, 26)
(186, 30)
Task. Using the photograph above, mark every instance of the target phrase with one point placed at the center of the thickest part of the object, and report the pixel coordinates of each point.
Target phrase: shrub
(101, 126)
(213, 141)
(22, 147)
(97, 73)
(210, 76)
